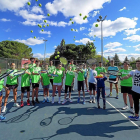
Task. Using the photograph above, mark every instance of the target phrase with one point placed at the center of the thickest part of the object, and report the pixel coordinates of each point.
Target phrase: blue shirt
(85, 72)
(101, 82)
(111, 69)
(92, 74)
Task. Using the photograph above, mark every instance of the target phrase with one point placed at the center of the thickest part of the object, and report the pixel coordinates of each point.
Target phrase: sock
(90, 97)
(59, 98)
(93, 97)
(52, 98)
(117, 93)
(45, 98)
(4, 107)
(110, 92)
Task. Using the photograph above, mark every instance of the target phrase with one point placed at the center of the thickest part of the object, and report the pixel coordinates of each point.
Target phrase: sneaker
(37, 100)
(125, 107)
(132, 110)
(28, 102)
(55, 94)
(70, 100)
(104, 107)
(22, 104)
(94, 101)
(43, 101)
(84, 102)
(16, 105)
(64, 101)
(87, 90)
(117, 96)
(78, 100)
(48, 100)
(2, 118)
(109, 95)
(4, 109)
(90, 101)
(99, 106)
(33, 102)
(135, 118)
(59, 102)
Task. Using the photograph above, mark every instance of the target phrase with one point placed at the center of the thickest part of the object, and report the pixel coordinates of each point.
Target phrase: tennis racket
(64, 61)
(114, 73)
(91, 61)
(110, 81)
(6, 74)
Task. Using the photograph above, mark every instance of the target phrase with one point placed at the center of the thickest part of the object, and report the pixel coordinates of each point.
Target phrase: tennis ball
(96, 25)
(34, 37)
(48, 14)
(80, 14)
(44, 26)
(36, 0)
(90, 46)
(28, 3)
(45, 21)
(40, 5)
(58, 52)
(72, 22)
(31, 31)
(72, 29)
(47, 25)
(57, 55)
(70, 19)
(42, 30)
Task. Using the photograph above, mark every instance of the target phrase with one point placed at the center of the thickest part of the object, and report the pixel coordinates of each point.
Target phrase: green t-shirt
(73, 67)
(52, 69)
(59, 78)
(45, 78)
(81, 76)
(69, 78)
(126, 82)
(63, 69)
(25, 79)
(1, 84)
(12, 81)
(36, 78)
(31, 68)
(100, 69)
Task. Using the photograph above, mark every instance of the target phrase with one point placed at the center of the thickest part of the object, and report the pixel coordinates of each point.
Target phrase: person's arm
(126, 77)
(41, 80)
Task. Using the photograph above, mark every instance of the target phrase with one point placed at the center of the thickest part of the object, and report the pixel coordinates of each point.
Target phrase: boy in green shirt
(126, 86)
(81, 79)
(1, 96)
(63, 69)
(35, 81)
(70, 75)
(11, 83)
(25, 84)
(100, 69)
(45, 81)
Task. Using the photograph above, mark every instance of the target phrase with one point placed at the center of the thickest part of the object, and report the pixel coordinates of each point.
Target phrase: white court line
(123, 115)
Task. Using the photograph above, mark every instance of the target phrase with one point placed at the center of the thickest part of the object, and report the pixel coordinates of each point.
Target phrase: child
(11, 83)
(25, 85)
(101, 88)
(45, 81)
(35, 81)
(68, 83)
(1, 95)
(85, 76)
(135, 74)
(92, 82)
(57, 82)
(81, 80)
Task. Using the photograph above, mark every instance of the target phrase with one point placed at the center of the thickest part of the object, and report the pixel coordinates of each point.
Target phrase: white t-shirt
(136, 80)
(92, 74)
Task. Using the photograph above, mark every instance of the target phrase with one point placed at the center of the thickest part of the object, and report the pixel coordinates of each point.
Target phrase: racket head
(63, 60)
(115, 73)
(65, 121)
(110, 81)
(91, 61)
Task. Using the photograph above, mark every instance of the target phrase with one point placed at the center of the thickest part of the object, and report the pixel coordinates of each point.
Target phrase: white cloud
(133, 38)
(113, 45)
(128, 46)
(111, 28)
(84, 40)
(55, 47)
(72, 8)
(29, 23)
(122, 9)
(116, 50)
(5, 20)
(8, 30)
(95, 13)
(137, 46)
(12, 5)
(36, 9)
(46, 32)
(82, 28)
(62, 23)
(39, 55)
(137, 49)
(132, 31)
(31, 41)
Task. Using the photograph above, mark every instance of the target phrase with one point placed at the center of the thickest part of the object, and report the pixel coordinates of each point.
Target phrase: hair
(11, 64)
(46, 64)
(94, 64)
(112, 60)
(58, 64)
(37, 61)
(32, 58)
(26, 63)
(126, 62)
(137, 61)
(100, 62)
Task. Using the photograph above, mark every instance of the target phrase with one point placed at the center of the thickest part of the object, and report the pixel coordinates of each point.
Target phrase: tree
(15, 50)
(132, 59)
(117, 61)
(126, 59)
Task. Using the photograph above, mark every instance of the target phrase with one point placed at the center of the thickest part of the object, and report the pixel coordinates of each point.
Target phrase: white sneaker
(132, 110)
(59, 102)
(70, 100)
(94, 101)
(125, 107)
(4, 109)
(64, 101)
(16, 105)
(90, 101)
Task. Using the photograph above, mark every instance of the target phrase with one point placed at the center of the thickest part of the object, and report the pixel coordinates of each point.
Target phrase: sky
(121, 30)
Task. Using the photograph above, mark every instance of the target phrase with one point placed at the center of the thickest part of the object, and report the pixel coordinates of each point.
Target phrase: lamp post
(100, 19)
(45, 49)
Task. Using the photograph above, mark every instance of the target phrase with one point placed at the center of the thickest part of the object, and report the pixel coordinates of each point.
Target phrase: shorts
(11, 86)
(35, 85)
(80, 85)
(1, 93)
(126, 90)
(113, 80)
(66, 89)
(23, 89)
(47, 86)
(85, 78)
(92, 86)
(51, 80)
(57, 84)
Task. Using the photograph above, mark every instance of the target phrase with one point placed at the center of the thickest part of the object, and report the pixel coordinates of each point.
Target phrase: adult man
(113, 78)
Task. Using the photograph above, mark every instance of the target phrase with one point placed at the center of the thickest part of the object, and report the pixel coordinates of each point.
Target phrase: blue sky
(120, 29)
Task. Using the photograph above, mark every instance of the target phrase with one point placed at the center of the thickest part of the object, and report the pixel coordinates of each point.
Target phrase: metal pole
(45, 51)
(101, 43)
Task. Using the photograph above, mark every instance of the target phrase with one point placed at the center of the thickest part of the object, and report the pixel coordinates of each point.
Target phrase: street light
(45, 49)
(100, 19)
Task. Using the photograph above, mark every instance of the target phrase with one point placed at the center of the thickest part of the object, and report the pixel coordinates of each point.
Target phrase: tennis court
(69, 121)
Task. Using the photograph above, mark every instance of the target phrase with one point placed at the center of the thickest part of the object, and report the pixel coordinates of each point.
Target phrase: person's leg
(66, 88)
(98, 97)
(82, 84)
(59, 93)
(90, 92)
(54, 90)
(103, 96)
(125, 98)
(70, 92)
(33, 91)
(6, 97)
(79, 88)
(136, 103)
(15, 95)
(22, 95)
(86, 84)
(110, 89)
(117, 90)
(1, 117)
(130, 100)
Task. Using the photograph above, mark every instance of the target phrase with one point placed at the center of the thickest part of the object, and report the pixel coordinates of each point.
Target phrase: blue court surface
(72, 121)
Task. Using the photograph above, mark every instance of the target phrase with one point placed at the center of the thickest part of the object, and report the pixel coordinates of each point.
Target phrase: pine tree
(126, 59)
(117, 61)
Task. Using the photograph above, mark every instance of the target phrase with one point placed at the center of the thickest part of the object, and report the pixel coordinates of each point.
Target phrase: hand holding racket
(6, 74)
